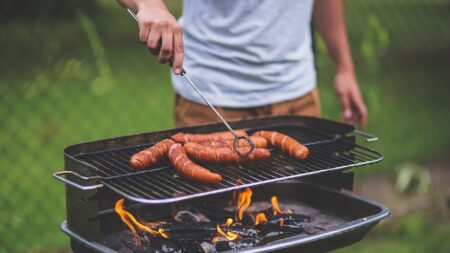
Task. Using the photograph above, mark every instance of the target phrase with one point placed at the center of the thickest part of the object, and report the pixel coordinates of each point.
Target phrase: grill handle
(369, 137)
(61, 177)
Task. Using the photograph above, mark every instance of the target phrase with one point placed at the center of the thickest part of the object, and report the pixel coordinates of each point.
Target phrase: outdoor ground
(70, 78)
(419, 222)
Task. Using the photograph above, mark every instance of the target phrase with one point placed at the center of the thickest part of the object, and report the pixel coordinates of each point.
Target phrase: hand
(352, 104)
(159, 29)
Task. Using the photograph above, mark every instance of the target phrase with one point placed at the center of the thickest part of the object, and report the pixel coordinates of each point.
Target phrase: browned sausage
(150, 156)
(185, 138)
(224, 154)
(190, 170)
(285, 143)
(259, 142)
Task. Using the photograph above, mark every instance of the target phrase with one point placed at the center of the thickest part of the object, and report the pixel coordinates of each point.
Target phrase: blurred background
(72, 72)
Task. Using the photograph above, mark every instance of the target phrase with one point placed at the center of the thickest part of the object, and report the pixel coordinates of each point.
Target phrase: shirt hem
(285, 96)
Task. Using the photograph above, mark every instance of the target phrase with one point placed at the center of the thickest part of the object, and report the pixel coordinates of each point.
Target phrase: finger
(346, 109)
(364, 117)
(144, 31)
(178, 50)
(154, 39)
(362, 111)
(166, 46)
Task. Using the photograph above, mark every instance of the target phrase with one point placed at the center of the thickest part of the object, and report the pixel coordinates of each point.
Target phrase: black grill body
(357, 216)
(104, 167)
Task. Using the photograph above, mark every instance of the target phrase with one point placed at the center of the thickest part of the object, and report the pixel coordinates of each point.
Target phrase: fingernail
(348, 114)
(177, 71)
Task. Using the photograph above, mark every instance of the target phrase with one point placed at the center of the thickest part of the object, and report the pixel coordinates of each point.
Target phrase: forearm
(330, 20)
(136, 5)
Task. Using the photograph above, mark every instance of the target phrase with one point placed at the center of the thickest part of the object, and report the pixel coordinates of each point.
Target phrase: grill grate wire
(161, 183)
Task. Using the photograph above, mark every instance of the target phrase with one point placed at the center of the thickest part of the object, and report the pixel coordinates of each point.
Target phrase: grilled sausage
(224, 154)
(285, 143)
(185, 138)
(259, 142)
(150, 156)
(190, 170)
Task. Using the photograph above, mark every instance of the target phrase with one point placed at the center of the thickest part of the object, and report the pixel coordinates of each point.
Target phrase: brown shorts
(191, 113)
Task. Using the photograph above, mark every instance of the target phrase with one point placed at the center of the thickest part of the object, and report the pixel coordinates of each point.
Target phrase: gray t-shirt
(247, 53)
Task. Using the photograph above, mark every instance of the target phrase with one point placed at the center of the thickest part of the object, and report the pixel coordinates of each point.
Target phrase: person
(250, 57)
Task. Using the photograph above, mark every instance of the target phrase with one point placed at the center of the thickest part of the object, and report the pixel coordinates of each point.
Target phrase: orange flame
(281, 222)
(215, 239)
(244, 200)
(228, 235)
(124, 216)
(163, 233)
(260, 218)
(276, 207)
(129, 219)
(229, 222)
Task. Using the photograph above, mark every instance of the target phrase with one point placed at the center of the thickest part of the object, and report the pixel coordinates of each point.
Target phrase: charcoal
(189, 233)
(146, 249)
(213, 213)
(193, 247)
(122, 241)
(275, 226)
(243, 230)
(207, 247)
(248, 232)
(168, 247)
(237, 244)
(224, 246)
(188, 217)
(186, 228)
(246, 243)
(294, 217)
(191, 237)
(193, 228)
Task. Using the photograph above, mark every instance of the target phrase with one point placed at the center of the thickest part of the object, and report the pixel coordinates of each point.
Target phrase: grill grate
(161, 183)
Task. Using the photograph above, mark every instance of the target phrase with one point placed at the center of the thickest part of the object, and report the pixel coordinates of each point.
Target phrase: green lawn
(72, 79)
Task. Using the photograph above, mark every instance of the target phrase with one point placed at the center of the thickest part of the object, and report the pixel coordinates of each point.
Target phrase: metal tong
(236, 137)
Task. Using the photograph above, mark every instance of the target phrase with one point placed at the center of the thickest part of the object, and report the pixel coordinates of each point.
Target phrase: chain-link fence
(71, 73)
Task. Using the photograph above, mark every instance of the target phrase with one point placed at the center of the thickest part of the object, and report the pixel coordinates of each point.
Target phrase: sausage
(259, 142)
(188, 169)
(224, 154)
(150, 156)
(285, 143)
(185, 138)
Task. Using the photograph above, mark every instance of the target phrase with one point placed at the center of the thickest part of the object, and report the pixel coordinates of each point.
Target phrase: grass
(73, 79)
(415, 233)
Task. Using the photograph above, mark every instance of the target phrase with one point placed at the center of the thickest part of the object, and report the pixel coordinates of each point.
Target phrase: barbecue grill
(98, 174)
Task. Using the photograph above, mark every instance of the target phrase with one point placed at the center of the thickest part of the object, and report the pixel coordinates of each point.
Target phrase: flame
(129, 219)
(244, 200)
(124, 216)
(281, 222)
(163, 233)
(260, 218)
(228, 222)
(228, 235)
(215, 239)
(276, 207)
